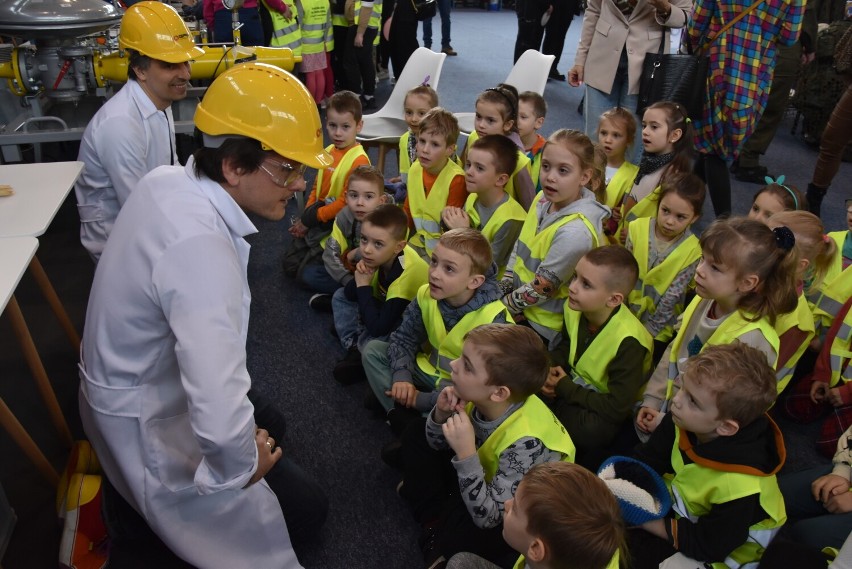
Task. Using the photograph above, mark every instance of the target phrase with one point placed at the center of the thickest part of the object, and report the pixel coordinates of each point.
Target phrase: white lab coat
(163, 374)
(127, 138)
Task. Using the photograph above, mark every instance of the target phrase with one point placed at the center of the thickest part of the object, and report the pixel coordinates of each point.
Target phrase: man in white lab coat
(134, 132)
(163, 393)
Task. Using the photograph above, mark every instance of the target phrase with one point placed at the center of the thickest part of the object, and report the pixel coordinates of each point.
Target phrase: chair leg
(55, 304)
(383, 150)
(20, 436)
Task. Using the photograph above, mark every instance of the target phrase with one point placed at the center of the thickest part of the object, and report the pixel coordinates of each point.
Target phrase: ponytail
(677, 118)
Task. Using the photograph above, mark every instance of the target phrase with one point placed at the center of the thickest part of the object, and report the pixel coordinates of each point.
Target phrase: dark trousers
(530, 32)
(431, 488)
(713, 170)
(834, 139)
(556, 30)
(250, 34)
(384, 53)
(403, 42)
(337, 54)
(358, 62)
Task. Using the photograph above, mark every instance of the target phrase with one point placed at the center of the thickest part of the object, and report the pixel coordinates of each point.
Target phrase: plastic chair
(384, 127)
(528, 74)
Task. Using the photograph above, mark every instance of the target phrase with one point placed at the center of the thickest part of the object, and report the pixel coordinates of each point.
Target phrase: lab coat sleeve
(199, 285)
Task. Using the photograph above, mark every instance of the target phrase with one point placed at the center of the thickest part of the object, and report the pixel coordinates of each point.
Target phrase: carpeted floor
(291, 352)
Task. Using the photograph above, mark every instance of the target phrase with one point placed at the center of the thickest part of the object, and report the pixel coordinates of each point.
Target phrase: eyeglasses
(285, 173)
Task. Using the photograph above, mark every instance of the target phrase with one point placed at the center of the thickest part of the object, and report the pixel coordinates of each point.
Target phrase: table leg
(19, 326)
(20, 436)
(383, 150)
(55, 304)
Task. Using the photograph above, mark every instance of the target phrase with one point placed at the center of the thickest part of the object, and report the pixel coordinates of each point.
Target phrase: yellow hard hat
(157, 30)
(267, 104)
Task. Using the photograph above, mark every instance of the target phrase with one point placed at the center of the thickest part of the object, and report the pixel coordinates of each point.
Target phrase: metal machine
(63, 61)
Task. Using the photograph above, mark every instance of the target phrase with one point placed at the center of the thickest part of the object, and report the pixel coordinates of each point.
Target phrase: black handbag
(424, 9)
(679, 77)
(675, 77)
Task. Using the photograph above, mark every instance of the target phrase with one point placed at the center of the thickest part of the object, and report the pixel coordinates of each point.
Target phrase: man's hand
(455, 218)
(824, 487)
(403, 393)
(448, 403)
(647, 419)
(553, 378)
(359, 39)
(267, 455)
(575, 76)
(458, 431)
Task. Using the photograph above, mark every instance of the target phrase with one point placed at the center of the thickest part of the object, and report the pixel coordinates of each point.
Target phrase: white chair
(528, 74)
(384, 127)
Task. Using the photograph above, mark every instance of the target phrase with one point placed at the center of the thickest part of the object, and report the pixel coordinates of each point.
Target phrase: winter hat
(641, 493)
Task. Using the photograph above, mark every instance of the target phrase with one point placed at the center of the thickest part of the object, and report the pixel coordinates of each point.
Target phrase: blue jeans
(316, 278)
(597, 102)
(808, 520)
(444, 7)
(251, 33)
(376, 365)
(347, 322)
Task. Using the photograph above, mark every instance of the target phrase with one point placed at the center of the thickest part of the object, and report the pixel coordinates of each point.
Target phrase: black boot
(814, 196)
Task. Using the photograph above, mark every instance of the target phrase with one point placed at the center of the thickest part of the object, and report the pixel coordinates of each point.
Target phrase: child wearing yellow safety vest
(462, 294)
(562, 226)
(434, 181)
(720, 453)
(667, 253)
(386, 279)
(604, 355)
(490, 162)
(418, 101)
(489, 429)
(837, 285)
(326, 199)
(744, 281)
(532, 110)
(316, 35)
(616, 133)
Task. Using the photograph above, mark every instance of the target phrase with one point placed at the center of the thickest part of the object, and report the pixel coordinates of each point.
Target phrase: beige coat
(606, 31)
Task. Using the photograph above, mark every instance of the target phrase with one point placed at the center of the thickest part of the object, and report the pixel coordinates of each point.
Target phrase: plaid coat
(741, 65)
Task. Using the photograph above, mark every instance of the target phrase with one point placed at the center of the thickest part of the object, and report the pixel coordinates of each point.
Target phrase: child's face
(470, 378)
(765, 205)
(528, 123)
(562, 177)
(362, 197)
(612, 137)
(480, 173)
(694, 409)
(342, 128)
(588, 290)
(433, 151)
(489, 119)
(515, 522)
(378, 245)
(451, 275)
(716, 281)
(674, 215)
(656, 138)
(415, 108)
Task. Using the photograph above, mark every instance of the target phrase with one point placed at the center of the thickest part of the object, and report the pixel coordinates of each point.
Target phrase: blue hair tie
(779, 181)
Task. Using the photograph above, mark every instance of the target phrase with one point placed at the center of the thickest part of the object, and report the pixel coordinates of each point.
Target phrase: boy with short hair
(532, 110)
(326, 199)
(484, 433)
(365, 191)
(723, 451)
(434, 181)
(386, 279)
(490, 163)
(462, 294)
(604, 353)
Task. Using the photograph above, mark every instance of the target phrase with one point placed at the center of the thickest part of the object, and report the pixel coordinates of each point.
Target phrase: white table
(16, 253)
(40, 190)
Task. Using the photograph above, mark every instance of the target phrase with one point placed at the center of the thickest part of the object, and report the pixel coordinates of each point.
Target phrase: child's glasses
(288, 173)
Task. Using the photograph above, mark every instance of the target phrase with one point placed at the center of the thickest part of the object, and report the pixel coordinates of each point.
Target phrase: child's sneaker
(320, 302)
(349, 370)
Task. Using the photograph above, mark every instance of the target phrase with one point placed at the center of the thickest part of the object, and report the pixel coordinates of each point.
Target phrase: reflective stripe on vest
(653, 283)
(341, 171)
(509, 210)
(341, 238)
(314, 23)
(836, 287)
(375, 20)
(415, 273)
(447, 346)
(591, 370)
(803, 319)
(532, 419)
(426, 210)
(696, 489)
(531, 249)
(620, 184)
(285, 33)
(841, 352)
(734, 326)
